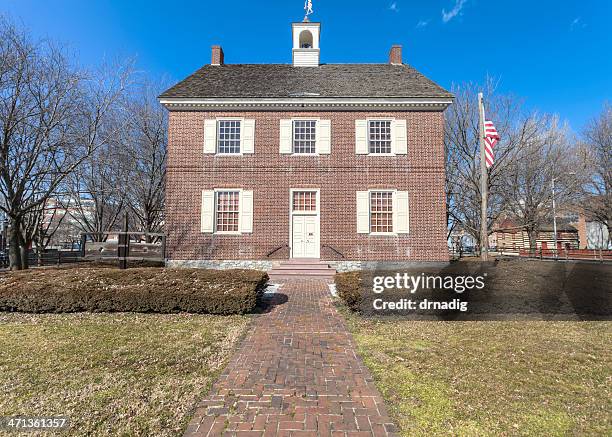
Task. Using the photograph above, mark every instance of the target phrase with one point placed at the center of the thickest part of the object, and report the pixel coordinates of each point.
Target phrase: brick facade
(338, 176)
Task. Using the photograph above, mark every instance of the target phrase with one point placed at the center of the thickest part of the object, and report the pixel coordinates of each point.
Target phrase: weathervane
(308, 9)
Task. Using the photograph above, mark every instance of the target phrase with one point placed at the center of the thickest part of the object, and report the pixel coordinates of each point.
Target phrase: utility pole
(554, 208)
(484, 234)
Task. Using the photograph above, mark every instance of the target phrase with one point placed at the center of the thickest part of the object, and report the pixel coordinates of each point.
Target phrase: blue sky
(555, 54)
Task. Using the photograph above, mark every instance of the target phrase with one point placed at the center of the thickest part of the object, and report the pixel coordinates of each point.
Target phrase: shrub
(156, 290)
(348, 288)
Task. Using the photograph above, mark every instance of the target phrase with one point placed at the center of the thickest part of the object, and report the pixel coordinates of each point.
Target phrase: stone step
(279, 277)
(327, 271)
(306, 267)
(301, 266)
(305, 261)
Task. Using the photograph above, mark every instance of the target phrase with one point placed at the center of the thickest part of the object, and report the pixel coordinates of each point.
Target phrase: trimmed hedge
(143, 290)
(348, 288)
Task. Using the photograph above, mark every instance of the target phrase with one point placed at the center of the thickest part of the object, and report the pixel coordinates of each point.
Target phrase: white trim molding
(316, 214)
(307, 104)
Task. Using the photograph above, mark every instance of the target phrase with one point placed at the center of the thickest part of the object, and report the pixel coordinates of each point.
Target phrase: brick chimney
(217, 56)
(395, 55)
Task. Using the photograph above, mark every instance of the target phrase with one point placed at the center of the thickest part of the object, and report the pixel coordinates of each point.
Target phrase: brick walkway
(295, 374)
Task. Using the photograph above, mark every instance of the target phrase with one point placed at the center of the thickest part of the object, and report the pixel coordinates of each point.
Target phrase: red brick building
(342, 162)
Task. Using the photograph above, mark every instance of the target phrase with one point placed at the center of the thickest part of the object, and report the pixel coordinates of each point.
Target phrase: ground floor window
(304, 201)
(227, 211)
(381, 211)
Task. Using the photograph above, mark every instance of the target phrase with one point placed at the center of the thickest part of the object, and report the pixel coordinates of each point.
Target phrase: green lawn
(491, 378)
(122, 373)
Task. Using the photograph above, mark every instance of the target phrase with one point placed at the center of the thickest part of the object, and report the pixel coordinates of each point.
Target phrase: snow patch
(332, 290)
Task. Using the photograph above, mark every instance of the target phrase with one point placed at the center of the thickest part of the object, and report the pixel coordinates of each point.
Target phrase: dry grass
(491, 378)
(113, 374)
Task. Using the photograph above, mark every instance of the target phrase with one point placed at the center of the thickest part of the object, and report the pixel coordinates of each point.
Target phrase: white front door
(305, 236)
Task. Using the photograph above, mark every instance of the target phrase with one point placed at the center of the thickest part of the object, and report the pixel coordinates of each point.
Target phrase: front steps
(302, 267)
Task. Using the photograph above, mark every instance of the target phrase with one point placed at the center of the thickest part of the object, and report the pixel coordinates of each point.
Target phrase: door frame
(316, 213)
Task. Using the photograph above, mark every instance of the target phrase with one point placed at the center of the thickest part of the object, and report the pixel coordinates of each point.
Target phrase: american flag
(491, 138)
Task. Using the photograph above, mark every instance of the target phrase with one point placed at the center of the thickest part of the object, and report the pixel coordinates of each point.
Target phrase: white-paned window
(381, 212)
(228, 136)
(304, 136)
(227, 211)
(379, 136)
(305, 201)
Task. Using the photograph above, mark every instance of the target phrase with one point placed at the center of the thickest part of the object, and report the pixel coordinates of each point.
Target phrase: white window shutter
(400, 141)
(248, 136)
(208, 211)
(363, 212)
(246, 212)
(361, 137)
(210, 136)
(401, 221)
(286, 131)
(324, 137)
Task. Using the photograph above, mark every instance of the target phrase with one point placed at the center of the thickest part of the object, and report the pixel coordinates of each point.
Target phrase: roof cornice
(306, 104)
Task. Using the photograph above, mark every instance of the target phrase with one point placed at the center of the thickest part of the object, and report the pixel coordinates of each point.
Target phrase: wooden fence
(568, 254)
(124, 246)
(48, 257)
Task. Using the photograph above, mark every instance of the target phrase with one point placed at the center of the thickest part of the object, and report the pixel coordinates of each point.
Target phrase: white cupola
(306, 52)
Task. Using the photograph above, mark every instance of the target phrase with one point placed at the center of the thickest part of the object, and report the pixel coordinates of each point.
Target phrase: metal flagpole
(484, 235)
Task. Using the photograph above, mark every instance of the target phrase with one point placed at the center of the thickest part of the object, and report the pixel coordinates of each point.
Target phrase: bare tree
(145, 142)
(546, 158)
(50, 118)
(597, 154)
(463, 154)
(96, 189)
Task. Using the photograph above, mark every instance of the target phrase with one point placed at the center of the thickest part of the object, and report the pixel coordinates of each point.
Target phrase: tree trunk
(533, 239)
(14, 247)
(23, 246)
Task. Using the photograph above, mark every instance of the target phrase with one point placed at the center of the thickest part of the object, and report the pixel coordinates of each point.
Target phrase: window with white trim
(304, 136)
(228, 136)
(381, 212)
(227, 211)
(379, 136)
(304, 201)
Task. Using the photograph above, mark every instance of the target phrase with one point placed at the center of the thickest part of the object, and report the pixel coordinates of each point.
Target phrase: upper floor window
(305, 136)
(379, 136)
(227, 211)
(381, 212)
(228, 136)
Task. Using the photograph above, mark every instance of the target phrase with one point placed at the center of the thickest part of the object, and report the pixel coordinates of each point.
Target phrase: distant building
(462, 241)
(597, 236)
(61, 218)
(510, 237)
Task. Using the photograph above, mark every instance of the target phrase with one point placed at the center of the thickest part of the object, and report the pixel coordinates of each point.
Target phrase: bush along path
(141, 290)
(295, 374)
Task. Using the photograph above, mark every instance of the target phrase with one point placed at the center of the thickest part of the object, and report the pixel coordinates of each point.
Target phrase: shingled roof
(327, 80)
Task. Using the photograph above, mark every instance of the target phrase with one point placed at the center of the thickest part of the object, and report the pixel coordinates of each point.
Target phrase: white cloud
(422, 24)
(447, 16)
(577, 24)
(393, 7)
